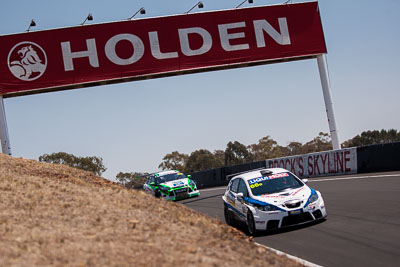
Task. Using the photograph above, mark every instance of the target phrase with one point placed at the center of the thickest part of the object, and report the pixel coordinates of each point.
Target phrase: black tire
(251, 226)
(228, 216)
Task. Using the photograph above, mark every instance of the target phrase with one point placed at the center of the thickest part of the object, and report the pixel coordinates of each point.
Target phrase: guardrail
(372, 158)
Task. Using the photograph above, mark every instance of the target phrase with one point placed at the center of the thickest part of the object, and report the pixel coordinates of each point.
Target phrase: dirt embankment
(56, 215)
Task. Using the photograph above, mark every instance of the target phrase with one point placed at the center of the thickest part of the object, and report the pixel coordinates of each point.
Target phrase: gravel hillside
(54, 215)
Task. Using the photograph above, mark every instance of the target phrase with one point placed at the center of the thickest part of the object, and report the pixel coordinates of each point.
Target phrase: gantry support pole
(5, 140)
(326, 89)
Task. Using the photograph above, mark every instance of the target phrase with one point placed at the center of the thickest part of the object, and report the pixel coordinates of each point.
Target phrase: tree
(92, 164)
(220, 156)
(132, 179)
(174, 161)
(373, 137)
(266, 148)
(320, 143)
(236, 153)
(200, 160)
(294, 148)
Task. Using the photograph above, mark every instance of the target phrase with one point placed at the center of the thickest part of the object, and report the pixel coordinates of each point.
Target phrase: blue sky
(133, 125)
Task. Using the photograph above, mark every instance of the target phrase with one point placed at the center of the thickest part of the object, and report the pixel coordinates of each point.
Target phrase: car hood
(176, 183)
(279, 199)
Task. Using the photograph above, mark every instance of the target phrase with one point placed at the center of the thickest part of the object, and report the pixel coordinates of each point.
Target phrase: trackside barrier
(365, 159)
(379, 158)
(333, 162)
(217, 177)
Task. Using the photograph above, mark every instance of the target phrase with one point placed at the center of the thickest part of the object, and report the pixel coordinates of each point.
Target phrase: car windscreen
(170, 177)
(273, 183)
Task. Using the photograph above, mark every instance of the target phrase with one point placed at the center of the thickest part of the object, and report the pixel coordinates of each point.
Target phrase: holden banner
(97, 54)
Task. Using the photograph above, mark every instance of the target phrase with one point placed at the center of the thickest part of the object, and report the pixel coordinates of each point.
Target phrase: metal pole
(326, 89)
(5, 140)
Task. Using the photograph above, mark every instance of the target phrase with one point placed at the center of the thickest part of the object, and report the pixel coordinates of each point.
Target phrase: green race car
(171, 185)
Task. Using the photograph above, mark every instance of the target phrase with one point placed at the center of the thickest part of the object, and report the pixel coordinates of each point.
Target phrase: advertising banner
(97, 54)
(334, 162)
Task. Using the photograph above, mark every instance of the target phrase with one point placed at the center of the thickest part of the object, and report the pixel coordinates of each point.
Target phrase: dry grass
(56, 215)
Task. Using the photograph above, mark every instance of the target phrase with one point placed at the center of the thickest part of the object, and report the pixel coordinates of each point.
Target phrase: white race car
(270, 199)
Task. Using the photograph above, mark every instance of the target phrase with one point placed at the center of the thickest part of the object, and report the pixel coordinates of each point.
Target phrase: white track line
(355, 177)
(296, 259)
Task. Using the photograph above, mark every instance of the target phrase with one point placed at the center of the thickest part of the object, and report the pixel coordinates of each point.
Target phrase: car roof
(167, 172)
(257, 173)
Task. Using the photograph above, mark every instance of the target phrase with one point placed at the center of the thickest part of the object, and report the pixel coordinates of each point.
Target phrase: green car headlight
(164, 189)
(192, 184)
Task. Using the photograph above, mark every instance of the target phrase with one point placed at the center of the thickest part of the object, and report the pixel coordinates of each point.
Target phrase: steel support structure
(5, 140)
(326, 90)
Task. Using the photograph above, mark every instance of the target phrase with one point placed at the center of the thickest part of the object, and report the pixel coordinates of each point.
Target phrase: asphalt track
(362, 227)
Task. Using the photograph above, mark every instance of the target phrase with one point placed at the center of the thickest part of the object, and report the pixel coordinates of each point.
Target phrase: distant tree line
(266, 148)
(373, 137)
(132, 179)
(234, 153)
(93, 164)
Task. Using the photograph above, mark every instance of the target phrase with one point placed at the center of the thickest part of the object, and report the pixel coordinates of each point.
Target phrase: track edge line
(296, 259)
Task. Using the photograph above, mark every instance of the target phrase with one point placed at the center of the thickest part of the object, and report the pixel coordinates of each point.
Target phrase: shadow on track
(199, 199)
(242, 227)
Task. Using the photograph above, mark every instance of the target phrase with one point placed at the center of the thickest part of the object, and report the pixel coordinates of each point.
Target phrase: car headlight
(267, 208)
(192, 184)
(313, 198)
(163, 188)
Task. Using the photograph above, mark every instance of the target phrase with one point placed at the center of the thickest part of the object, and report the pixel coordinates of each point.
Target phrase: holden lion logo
(27, 61)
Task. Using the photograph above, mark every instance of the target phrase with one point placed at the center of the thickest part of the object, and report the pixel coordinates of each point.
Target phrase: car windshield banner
(97, 54)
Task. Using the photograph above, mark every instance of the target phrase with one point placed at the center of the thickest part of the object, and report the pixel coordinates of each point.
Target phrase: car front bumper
(281, 219)
(182, 195)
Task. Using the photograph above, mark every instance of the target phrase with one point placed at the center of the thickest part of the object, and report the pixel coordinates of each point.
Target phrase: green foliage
(373, 137)
(236, 153)
(132, 179)
(267, 148)
(202, 159)
(294, 148)
(92, 164)
(220, 155)
(174, 161)
(320, 143)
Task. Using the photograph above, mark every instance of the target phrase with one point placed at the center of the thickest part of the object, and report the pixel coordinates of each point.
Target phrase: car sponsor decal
(269, 177)
(231, 198)
(297, 191)
(260, 203)
(180, 183)
(235, 210)
(295, 212)
(180, 190)
(271, 196)
(255, 185)
(312, 206)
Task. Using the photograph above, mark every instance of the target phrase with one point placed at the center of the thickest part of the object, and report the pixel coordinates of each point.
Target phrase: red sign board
(97, 54)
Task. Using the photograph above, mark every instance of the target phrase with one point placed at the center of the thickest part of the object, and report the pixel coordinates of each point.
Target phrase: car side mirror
(189, 176)
(152, 183)
(239, 195)
(305, 181)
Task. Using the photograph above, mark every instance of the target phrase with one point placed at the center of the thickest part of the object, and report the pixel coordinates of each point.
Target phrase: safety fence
(365, 159)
